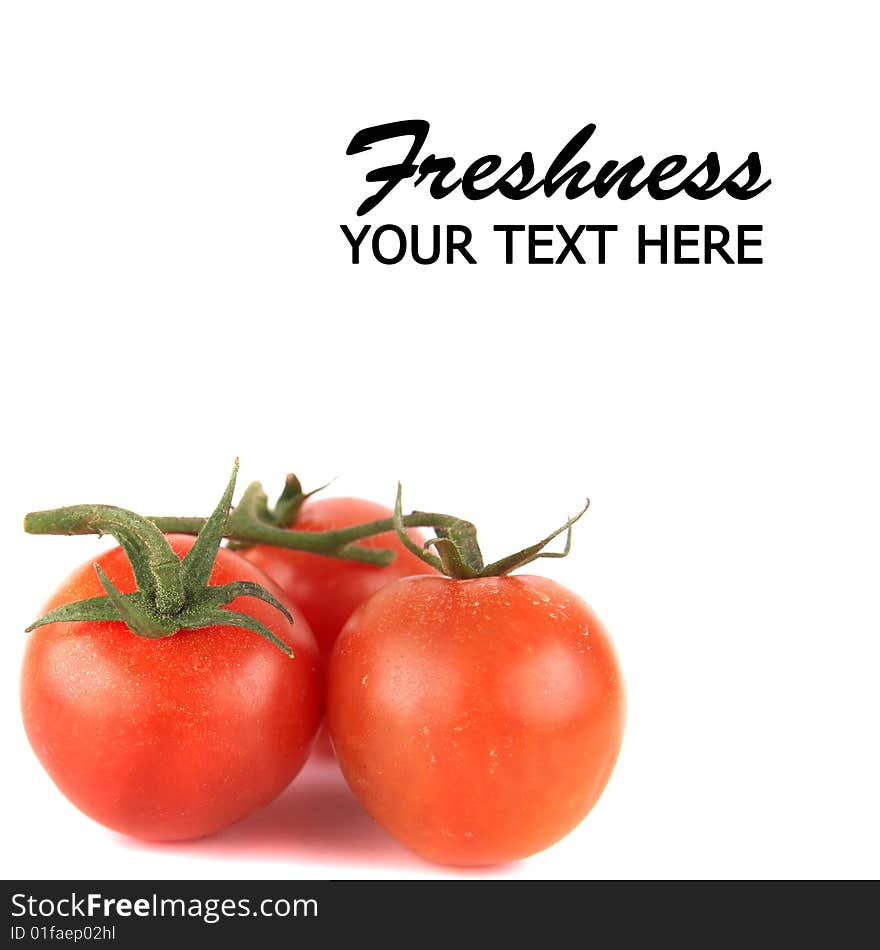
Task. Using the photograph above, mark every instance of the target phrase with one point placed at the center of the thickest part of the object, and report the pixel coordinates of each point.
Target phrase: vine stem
(455, 549)
(241, 528)
(340, 542)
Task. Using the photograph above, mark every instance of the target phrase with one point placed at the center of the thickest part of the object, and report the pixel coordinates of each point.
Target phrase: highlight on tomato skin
(178, 737)
(477, 721)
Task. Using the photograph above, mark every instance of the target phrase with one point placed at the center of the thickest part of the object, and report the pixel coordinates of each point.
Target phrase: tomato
(479, 720)
(326, 589)
(176, 737)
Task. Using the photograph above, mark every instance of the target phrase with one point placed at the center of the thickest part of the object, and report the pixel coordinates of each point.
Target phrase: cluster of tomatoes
(477, 719)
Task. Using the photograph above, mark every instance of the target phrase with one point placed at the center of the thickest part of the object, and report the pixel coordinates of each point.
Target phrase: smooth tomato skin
(477, 721)
(172, 738)
(327, 590)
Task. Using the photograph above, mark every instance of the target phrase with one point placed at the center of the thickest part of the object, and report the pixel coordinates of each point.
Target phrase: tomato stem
(291, 499)
(250, 522)
(454, 551)
(172, 594)
(458, 553)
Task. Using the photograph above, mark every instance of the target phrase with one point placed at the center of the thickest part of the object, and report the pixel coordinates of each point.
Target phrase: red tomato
(476, 720)
(325, 589)
(176, 737)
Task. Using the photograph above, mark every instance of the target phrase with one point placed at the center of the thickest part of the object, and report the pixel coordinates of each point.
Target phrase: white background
(176, 291)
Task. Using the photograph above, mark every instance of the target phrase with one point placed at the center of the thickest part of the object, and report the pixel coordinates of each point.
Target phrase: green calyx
(287, 508)
(456, 552)
(172, 594)
(253, 514)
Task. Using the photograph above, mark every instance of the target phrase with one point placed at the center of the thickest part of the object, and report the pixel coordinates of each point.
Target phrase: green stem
(242, 527)
(339, 542)
(172, 594)
(252, 521)
(156, 567)
(458, 553)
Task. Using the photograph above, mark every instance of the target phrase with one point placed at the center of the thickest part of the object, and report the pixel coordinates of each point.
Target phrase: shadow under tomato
(315, 820)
